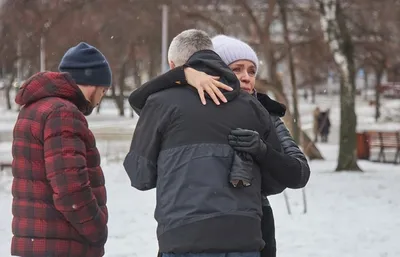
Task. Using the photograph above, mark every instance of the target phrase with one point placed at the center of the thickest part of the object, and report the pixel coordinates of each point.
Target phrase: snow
(349, 214)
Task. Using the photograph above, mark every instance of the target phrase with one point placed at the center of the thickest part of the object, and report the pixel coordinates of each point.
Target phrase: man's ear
(171, 65)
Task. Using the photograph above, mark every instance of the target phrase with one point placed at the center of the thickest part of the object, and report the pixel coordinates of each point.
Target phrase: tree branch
(247, 9)
(203, 17)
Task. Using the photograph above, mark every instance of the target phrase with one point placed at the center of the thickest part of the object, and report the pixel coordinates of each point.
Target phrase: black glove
(248, 141)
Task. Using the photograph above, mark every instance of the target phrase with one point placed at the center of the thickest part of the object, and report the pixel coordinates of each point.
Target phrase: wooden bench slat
(384, 140)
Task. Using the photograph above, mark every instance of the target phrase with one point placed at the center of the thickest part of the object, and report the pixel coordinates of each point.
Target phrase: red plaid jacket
(59, 206)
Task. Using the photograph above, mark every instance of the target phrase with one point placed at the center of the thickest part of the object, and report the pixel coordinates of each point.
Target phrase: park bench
(382, 141)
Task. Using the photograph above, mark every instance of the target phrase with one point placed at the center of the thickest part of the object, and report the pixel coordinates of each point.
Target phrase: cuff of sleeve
(284, 169)
(180, 77)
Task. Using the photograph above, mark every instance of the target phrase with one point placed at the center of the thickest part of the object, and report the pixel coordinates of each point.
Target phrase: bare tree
(296, 117)
(376, 41)
(338, 37)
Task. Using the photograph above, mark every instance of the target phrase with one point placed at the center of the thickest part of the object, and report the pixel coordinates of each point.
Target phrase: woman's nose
(245, 76)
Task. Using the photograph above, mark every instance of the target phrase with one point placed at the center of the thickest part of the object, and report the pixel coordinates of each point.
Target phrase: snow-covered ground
(349, 214)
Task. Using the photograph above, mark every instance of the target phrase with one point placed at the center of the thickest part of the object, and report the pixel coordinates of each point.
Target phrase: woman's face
(246, 73)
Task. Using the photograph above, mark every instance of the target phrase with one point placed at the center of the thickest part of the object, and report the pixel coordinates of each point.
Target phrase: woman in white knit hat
(240, 57)
(243, 61)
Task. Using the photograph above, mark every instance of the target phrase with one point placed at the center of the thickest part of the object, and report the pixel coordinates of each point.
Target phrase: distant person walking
(316, 130)
(324, 125)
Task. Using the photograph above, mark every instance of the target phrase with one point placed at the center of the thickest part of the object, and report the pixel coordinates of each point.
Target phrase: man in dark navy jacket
(181, 147)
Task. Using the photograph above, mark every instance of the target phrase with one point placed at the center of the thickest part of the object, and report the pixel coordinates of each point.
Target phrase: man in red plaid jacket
(59, 206)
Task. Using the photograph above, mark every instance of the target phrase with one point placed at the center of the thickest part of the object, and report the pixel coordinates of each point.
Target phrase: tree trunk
(7, 91)
(296, 117)
(98, 108)
(313, 93)
(136, 68)
(136, 72)
(365, 85)
(269, 56)
(272, 67)
(113, 91)
(119, 99)
(153, 62)
(378, 76)
(336, 34)
(3, 69)
(348, 125)
(347, 160)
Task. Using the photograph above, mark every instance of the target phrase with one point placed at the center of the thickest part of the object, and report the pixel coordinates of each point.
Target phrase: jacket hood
(211, 63)
(273, 107)
(51, 84)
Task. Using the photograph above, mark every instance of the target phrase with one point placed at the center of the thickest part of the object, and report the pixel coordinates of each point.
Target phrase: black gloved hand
(248, 141)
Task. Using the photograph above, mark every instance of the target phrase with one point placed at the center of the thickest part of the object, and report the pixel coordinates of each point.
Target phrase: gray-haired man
(181, 148)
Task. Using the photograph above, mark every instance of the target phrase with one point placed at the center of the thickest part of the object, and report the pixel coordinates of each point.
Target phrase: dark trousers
(324, 138)
(268, 232)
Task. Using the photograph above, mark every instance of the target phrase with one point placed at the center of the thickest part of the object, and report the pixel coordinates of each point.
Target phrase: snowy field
(349, 214)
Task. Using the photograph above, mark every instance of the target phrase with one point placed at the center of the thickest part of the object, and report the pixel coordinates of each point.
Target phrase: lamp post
(164, 38)
(42, 54)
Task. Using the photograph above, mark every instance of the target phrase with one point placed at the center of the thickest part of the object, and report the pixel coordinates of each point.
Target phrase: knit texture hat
(231, 50)
(86, 65)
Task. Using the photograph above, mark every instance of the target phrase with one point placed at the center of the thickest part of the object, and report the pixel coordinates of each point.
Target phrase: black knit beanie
(87, 66)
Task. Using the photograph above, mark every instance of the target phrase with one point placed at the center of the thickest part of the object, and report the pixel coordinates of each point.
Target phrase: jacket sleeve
(173, 78)
(65, 162)
(285, 168)
(290, 148)
(141, 161)
(270, 185)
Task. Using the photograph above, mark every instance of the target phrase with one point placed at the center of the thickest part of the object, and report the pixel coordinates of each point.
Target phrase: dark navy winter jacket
(176, 78)
(181, 148)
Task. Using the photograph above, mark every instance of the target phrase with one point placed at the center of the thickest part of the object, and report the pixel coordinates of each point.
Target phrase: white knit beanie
(231, 50)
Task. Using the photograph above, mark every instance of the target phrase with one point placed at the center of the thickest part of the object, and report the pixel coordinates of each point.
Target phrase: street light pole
(164, 38)
(19, 61)
(42, 54)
